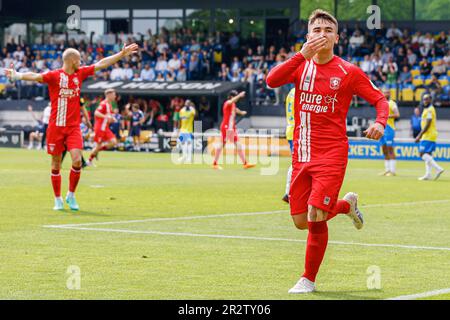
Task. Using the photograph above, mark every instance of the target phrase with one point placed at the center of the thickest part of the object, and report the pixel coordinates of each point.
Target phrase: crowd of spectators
(387, 55)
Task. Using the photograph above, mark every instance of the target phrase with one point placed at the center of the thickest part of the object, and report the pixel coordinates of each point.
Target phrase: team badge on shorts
(51, 147)
(326, 201)
(335, 83)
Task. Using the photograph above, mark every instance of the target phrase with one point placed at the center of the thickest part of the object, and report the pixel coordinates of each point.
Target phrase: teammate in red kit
(104, 137)
(325, 85)
(228, 128)
(64, 126)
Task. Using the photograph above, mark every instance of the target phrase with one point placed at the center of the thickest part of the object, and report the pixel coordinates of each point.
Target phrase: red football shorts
(62, 138)
(229, 135)
(103, 135)
(315, 184)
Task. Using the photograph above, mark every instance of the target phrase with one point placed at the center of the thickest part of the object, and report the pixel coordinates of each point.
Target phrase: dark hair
(232, 94)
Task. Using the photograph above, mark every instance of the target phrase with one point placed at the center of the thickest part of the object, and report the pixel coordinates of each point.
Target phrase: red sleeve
(86, 72)
(364, 88)
(49, 77)
(101, 108)
(286, 72)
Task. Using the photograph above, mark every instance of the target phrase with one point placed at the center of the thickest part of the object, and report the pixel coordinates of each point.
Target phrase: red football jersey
(229, 115)
(322, 97)
(64, 91)
(106, 109)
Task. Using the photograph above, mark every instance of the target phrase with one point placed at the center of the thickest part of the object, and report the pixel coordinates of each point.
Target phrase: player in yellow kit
(290, 123)
(186, 137)
(387, 141)
(427, 137)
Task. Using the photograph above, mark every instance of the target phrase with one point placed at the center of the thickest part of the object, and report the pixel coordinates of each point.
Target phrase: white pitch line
(221, 236)
(171, 219)
(422, 295)
(377, 205)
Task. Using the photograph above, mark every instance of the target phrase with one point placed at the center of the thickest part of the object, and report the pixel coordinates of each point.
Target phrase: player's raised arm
(365, 89)
(285, 73)
(109, 61)
(237, 97)
(14, 76)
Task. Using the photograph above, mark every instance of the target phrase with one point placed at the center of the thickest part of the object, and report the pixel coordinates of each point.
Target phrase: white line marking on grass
(421, 295)
(173, 219)
(222, 236)
(240, 214)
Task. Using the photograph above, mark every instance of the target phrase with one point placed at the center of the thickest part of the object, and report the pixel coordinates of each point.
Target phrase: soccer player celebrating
(325, 85)
(427, 138)
(387, 141)
(186, 116)
(104, 137)
(228, 128)
(63, 131)
(137, 119)
(290, 124)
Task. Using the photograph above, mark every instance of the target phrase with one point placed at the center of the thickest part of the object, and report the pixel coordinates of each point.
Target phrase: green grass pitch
(238, 256)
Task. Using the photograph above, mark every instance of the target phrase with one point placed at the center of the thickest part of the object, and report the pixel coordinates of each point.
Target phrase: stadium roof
(18, 10)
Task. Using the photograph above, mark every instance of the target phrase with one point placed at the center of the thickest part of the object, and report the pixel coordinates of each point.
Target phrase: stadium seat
(415, 73)
(418, 94)
(443, 82)
(407, 94)
(393, 93)
(417, 82)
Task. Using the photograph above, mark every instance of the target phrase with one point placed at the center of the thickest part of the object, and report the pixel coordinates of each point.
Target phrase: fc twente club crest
(335, 83)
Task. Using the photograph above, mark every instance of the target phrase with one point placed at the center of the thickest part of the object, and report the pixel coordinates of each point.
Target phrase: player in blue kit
(137, 119)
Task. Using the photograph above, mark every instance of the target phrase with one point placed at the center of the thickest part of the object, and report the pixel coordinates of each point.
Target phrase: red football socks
(315, 248)
(56, 182)
(342, 206)
(74, 178)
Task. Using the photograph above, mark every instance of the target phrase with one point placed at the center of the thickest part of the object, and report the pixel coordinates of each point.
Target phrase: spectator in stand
(441, 44)
(193, 67)
(253, 41)
(181, 75)
(439, 68)
(387, 54)
(447, 59)
(355, 43)
(405, 77)
(56, 63)
(412, 57)
(393, 31)
(136, 77)
(148, 74)
(425, 67)
(236, 65)
(174, 63)
(117, 73)
(367, 65)
(161, 65)
(416, 119)
(390, 69)
(127, 71)
(435, 89)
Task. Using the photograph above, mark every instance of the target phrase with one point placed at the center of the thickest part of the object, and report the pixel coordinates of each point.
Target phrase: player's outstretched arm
(14, 76)
(109, 61)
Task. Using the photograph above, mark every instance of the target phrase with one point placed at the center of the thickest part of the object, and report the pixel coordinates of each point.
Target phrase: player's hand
(375, 131)
(11, 73)
(89, 124)
(241, 94)
(243, 113)
(312, 46)
(30, 108)
(129, 50)
(417, 139)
